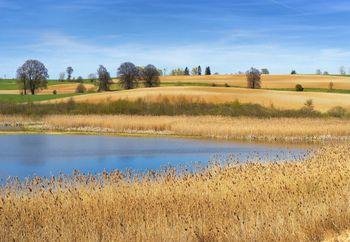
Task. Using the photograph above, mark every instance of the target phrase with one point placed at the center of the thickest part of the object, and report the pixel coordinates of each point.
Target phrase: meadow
(306, 200)
(216, 95)
(218, 127)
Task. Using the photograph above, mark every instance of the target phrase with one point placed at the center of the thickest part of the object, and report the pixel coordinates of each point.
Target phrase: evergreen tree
(199, 70)
(207, 71)
(265, 71)
(186, 71)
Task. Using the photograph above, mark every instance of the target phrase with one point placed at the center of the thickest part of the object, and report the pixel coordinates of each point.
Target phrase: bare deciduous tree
(150, 76)
(69, 72)
(194, 71)
(128, 75)
(32, 75)
(92, 77)
(104, 79)
(253, 78)
(178, 72)
(61, 76)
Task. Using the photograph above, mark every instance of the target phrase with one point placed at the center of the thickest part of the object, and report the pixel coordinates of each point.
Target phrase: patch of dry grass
(282, 129)
(279, 99)
(291, 201)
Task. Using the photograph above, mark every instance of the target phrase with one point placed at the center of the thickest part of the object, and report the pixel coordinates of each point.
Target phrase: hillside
(280, 99)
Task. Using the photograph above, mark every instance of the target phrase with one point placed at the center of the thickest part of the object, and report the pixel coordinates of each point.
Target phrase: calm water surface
(44, 155)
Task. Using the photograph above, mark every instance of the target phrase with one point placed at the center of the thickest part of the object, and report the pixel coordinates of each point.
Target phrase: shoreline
(300, 140)
(244, 129)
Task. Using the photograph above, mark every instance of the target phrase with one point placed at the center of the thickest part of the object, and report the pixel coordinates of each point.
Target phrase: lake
(45, 155)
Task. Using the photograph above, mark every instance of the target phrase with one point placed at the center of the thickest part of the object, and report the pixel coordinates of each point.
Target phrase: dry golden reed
(268, 129)
(290, 201)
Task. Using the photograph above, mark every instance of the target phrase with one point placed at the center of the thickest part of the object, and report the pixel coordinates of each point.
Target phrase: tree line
(196, 71)
(33, 76)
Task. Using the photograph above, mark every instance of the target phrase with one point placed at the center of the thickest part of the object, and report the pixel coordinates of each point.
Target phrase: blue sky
(228, 35)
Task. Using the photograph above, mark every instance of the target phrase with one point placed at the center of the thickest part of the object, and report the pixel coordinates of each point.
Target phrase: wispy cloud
(227, 35)
(60, 50)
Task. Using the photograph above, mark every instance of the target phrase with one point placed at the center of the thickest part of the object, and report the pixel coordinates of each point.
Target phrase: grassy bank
(292, 201)
(242, 128)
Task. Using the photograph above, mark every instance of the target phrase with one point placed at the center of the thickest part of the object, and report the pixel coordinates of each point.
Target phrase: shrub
(54, 92)
(80, 88)
(227, 85)
(330, 86)
(91, 89)
(299, 88)
(213, 84)
(79, 79)
(309, 105)
(337, 112)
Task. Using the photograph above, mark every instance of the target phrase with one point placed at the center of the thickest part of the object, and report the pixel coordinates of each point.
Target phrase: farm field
(61, 88)
(279, 99)
(11, 84)
(268, 81)
(16, 98)
(278, 90)
(305, 200)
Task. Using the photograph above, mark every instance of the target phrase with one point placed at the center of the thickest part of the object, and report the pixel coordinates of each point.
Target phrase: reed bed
(306, 200)
(243, 128)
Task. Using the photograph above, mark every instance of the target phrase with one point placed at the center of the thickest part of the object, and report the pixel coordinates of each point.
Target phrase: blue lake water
(45, 155)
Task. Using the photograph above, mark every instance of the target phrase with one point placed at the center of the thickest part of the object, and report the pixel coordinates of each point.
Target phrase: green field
(16, 98)
(11, 84)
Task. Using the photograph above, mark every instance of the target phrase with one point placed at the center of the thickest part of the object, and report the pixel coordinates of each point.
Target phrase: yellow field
(280, 99)
(268, 81)
(291, 201)
(274, 129)
(65, 88)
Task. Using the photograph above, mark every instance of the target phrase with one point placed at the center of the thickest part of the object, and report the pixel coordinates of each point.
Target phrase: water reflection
(45, 155)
